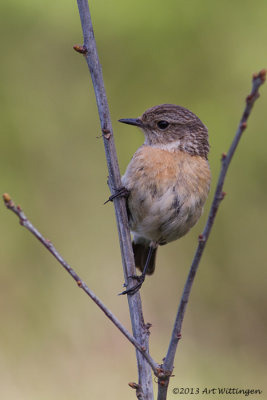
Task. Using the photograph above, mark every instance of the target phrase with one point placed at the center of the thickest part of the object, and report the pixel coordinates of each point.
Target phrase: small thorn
(133, 385)
(179, 336)
(80, 49)
(79, 283)
(148, 325)
(224, 155)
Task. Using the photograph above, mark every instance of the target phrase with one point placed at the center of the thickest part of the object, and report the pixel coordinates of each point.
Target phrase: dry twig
(140, 338)
(24, 221)
(167, 367)
(140, 329)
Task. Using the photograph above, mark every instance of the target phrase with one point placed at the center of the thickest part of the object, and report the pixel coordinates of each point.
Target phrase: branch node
(249, 98)
(201, 238)
(261, 75)
(148, 326)
(79, 283)
(160, 372)
(163, 374)
(163, 383)
(224, 155)
(223, 194)
(243, 126)
(106, 133)
(9, 203)
(6, 198)
(80, 49)
(133, 385)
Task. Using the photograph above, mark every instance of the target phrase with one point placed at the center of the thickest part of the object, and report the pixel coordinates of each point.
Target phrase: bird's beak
(132, 121)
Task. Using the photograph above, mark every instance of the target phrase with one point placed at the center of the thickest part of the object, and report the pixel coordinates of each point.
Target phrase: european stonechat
(167, 181)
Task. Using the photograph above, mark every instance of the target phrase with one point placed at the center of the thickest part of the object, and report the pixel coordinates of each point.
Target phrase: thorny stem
(24, 221)
(167, 367)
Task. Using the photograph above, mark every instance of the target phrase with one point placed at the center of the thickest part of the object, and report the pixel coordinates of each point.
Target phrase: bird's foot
(140, 280)
(121, 192)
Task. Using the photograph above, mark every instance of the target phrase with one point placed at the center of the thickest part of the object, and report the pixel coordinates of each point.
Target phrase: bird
(167, 181)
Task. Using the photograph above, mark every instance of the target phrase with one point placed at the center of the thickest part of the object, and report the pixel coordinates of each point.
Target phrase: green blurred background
(54, 342)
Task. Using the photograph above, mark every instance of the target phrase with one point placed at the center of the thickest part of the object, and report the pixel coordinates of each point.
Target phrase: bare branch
(257, 81)
(24, 221)
(140, 337)
(140, 329)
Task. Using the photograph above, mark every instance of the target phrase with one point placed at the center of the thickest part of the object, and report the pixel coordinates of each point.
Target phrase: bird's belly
(167, 193)
(164, 218)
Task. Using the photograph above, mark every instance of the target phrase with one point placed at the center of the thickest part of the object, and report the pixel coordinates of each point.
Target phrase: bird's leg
(120, 192)
(140, 278)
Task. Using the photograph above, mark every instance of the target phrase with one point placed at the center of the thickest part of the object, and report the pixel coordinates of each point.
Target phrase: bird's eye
(163, 124)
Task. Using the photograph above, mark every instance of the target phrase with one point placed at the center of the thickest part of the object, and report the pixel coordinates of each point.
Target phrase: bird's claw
(121, 192)
(140, 280)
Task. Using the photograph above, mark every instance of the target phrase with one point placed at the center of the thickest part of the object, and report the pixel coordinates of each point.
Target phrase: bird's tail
(141, 249)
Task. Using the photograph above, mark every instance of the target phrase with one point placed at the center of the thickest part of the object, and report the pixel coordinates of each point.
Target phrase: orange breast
(167, 192)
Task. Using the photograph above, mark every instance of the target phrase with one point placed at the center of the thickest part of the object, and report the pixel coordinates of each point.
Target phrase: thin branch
(257, 81)
(140, 329)
(24, 221)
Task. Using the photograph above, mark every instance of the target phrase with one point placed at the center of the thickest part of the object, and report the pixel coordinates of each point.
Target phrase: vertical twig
(140, 330)
(257, 81)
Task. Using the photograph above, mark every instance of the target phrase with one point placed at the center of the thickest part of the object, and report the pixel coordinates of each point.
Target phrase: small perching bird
(167, 181)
